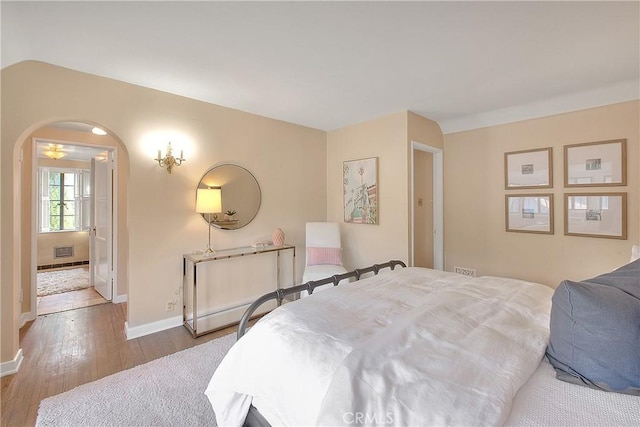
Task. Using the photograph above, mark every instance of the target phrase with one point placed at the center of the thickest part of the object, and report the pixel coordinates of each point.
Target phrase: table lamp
(209, 201)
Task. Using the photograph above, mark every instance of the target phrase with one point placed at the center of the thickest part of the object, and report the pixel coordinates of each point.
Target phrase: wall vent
(63, 251)
(471, 272)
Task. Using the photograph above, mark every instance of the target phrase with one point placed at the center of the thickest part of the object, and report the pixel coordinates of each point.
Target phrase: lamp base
(209, 250)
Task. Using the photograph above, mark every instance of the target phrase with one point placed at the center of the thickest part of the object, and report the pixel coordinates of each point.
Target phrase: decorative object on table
(168, 161)
(529, 213)
(360, 190)
(528, 169)
(260, 244)
(596, 215)
(228, 215)
(209, 201)
(278, 237)
(596, 164)
(240, 194)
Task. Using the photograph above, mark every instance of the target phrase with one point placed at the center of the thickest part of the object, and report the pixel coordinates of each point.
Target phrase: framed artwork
(360, 191)
(529, 213)
(596, 215)
(528, 169)
(596, 164)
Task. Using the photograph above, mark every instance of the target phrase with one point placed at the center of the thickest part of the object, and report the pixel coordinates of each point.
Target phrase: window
(65, 203)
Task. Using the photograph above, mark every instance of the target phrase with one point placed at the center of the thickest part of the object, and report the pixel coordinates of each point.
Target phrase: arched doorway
(80, 146)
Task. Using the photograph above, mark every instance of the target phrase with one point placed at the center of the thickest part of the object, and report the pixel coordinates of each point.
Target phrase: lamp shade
(209, 200)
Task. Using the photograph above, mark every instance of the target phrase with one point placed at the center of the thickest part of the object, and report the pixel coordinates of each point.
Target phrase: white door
(101, 263)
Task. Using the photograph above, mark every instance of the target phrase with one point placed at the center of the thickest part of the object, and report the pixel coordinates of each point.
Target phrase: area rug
(59, 281)
(165, 392)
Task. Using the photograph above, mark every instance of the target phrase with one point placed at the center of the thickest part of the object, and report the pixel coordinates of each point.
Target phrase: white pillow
(635, 252)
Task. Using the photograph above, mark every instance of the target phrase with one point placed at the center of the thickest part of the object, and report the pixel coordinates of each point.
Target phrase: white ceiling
(331, 64)
(80, 152)
(72, 151)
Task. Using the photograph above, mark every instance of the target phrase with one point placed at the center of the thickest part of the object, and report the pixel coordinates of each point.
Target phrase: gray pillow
(595, 331)
(626, 278)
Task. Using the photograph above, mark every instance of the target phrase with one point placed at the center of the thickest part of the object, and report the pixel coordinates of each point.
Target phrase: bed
(411, 346)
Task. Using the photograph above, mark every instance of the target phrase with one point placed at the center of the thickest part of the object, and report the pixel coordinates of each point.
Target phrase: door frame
(34, 216)
(438, 203)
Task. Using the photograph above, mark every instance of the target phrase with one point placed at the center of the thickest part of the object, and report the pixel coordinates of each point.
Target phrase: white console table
(191, 320)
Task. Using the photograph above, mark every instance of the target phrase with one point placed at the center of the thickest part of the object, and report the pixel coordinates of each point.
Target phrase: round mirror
(239, 196)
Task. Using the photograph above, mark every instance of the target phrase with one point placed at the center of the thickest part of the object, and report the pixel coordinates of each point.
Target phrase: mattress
(545, 401)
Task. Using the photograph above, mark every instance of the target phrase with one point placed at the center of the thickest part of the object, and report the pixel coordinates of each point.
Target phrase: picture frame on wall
(596, 215)
(529, 213)
(360, 191)
(596, 164)
(528, 169)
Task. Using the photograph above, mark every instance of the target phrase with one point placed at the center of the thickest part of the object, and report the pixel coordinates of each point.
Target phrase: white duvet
(407, 347)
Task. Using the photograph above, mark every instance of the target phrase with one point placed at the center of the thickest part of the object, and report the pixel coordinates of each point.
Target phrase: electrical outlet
(170, 305)
(471, 272)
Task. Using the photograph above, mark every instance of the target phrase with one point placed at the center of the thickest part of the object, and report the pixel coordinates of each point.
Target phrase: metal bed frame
(254, 417)
(279, 294)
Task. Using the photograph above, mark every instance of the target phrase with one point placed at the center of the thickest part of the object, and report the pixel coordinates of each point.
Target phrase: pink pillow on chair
(324, 256)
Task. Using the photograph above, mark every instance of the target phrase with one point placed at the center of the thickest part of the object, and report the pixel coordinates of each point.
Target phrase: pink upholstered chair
(323, 253)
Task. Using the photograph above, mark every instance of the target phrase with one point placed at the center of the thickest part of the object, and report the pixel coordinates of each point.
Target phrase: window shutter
(83, 219)
(44, 219)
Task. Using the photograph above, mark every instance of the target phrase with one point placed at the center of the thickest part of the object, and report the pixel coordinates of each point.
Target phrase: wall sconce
(209, 200)
(168, 161)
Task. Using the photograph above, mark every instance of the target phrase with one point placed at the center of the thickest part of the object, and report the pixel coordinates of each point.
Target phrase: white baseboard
(150, 328)
(12, 366)
(26, 317)
(118, 299)
(223, 317)
(219, 318)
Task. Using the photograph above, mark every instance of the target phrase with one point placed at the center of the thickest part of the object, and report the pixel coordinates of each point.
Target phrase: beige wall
(474, 192)
(421, 129)
(386, 139)
(8, 336)
(46, 243)
(287, 160)
(389, 139)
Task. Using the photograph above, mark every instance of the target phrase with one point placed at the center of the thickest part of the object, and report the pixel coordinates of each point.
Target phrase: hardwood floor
(69, 300)
(64, 350)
